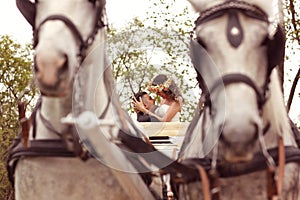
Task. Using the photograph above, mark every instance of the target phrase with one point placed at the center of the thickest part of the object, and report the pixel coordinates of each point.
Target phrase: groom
(149, 104)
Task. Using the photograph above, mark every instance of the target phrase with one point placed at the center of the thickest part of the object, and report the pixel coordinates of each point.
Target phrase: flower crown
(160, 87)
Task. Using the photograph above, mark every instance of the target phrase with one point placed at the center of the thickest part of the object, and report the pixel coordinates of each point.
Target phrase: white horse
(69, 49)
(235, 52)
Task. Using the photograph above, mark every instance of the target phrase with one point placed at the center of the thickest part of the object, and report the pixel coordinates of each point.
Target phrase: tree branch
(292, 92)
(294, 21)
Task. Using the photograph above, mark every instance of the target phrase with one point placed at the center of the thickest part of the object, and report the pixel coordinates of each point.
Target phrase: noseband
(240, 78)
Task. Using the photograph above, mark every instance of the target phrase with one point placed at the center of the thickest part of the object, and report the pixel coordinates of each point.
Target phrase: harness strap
(182, 172)
(33, 116)
(274, 183)
(24, 122)
(205, 182)
(48, 125)
(215, 186)
(37, 148)
(292, 154)
(281, 165)
(281, 155)
(258, 163)
(271, 184)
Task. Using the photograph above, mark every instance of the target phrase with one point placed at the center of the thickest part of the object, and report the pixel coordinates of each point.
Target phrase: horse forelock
(201, 5)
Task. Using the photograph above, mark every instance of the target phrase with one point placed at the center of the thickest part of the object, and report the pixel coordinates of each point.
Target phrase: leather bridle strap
(48, 125)
(205, 183)
(218, 10)
(281, 164)
(239, 78)
(274, 183)
(24, 123)
(274, 187)
(214, 186)
(66, 21)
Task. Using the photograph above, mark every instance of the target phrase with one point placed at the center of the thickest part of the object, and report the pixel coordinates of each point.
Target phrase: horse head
(62, 34)
(240, 46)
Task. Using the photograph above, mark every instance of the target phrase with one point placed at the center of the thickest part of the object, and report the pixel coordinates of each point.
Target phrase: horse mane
(279, 116)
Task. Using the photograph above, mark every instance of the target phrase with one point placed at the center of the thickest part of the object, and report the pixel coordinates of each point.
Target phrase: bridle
(276, 41)
(28, 9)
(234, 33)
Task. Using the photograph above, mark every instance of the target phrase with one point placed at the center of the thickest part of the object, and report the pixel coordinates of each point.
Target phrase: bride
(172, 100)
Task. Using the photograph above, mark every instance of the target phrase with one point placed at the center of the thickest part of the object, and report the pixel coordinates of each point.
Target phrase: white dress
(162, 110)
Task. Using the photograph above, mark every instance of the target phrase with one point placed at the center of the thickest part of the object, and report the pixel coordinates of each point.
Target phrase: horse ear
(28, 10)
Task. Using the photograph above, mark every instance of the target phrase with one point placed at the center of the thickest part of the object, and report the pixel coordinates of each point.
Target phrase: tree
(15, 79)
(292, 27)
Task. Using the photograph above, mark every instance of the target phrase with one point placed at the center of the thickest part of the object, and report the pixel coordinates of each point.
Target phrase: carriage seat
(167, 137)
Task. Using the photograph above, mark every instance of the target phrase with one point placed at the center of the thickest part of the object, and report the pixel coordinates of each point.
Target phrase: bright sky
(13, 23)
(119, 12)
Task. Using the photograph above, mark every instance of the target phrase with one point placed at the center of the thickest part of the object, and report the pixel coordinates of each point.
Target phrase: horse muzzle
(238, 144)
(52, 73)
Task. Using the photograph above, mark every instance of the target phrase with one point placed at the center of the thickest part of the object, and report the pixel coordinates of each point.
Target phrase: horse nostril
(246, 135)
(35, 68)
(65, 65)
(51, 68)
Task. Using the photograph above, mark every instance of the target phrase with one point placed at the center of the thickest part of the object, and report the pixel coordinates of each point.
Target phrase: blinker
(28, 10)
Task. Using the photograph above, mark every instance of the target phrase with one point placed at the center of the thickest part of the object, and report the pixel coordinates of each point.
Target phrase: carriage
(81, 144)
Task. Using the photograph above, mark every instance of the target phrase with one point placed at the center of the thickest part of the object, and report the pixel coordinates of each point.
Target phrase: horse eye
(92, 1)
(265, 41)
(201, 42)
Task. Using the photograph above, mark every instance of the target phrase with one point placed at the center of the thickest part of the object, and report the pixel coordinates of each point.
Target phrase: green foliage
(15, 76)
(292, 29)
(292, 19)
